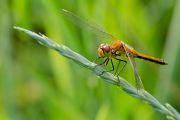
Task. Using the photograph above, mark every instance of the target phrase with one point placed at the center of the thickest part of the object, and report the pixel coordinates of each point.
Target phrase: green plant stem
(143, 95)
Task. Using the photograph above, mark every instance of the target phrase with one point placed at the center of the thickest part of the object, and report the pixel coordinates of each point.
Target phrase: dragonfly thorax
(117, 48)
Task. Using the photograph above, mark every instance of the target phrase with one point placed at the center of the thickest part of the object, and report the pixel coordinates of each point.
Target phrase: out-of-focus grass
(57, 82)
(7, 84)
(169, 75)
(172, 46)
(142, 94)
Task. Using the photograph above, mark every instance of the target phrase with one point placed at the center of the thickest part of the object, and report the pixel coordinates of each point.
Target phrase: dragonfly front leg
(111, 65)
(105, 62)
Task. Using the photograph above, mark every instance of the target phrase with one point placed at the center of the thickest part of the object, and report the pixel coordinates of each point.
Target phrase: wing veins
(86, 24)
(139, 83)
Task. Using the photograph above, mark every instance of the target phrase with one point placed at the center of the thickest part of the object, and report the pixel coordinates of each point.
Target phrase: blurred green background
(38, 84)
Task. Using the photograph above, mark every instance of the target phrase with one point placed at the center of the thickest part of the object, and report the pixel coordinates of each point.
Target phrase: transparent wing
(85, 24)
(139, 83)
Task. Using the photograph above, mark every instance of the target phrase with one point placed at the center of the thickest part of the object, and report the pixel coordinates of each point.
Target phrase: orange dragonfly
(115, 50)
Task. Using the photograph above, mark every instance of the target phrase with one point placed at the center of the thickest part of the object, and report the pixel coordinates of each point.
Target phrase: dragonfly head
(103, 50)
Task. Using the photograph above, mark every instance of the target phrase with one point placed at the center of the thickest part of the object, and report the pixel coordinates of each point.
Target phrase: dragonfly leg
(102, 62)
(125, 62)
(119, 60)
(117, 67)
(109, 70)
(118, 80)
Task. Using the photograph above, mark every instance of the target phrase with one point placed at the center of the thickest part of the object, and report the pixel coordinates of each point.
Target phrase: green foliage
(37, 83)
(143, 95)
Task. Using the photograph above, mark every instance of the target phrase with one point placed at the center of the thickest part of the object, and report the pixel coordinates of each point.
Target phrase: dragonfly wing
(86, 24)
(139, 83)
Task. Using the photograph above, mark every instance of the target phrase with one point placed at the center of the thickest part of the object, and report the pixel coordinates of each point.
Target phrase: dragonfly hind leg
(125, 62)
(117, 74)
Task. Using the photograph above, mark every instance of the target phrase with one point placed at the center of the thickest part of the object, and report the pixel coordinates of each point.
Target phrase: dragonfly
(115, 50)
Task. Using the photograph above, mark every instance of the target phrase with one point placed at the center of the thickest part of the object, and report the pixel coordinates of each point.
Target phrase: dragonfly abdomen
(150, 58)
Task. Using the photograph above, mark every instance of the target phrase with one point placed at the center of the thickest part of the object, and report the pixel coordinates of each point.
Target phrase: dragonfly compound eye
(106, 48)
